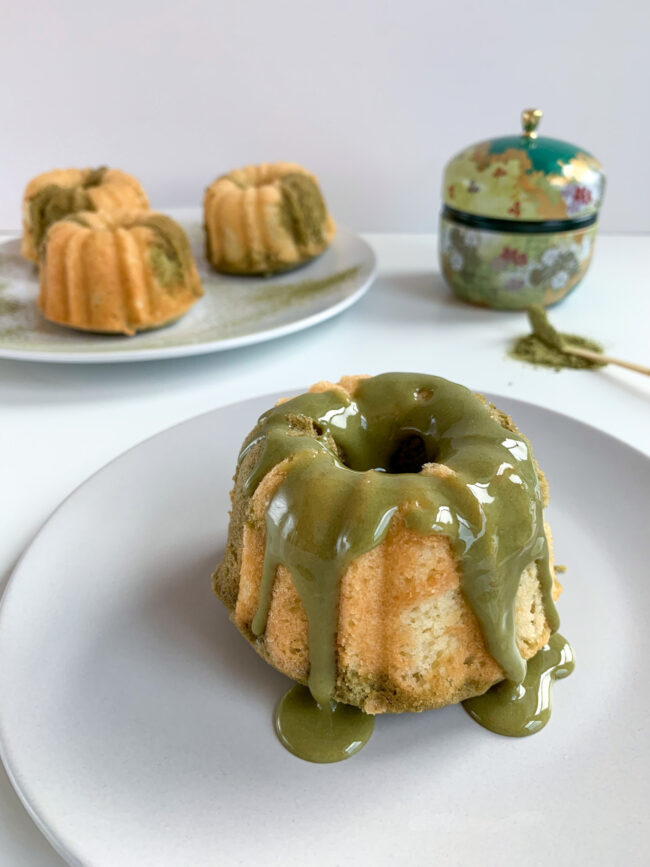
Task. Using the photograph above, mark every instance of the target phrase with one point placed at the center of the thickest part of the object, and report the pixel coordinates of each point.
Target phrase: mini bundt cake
(117, 272)
(53, 195)
(387, 544)
(264, 219)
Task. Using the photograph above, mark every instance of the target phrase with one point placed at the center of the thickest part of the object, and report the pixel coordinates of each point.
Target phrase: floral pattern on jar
(513, 270)
(515, 178)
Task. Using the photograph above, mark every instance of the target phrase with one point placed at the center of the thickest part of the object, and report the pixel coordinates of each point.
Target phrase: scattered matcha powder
(267, 299)
(306, 287)
(545, 345)
(9, 306)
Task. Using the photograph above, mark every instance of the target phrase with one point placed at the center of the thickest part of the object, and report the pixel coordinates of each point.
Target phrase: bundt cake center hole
(410, 455)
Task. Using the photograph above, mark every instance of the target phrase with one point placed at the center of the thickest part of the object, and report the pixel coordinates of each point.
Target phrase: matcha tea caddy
(519, 218)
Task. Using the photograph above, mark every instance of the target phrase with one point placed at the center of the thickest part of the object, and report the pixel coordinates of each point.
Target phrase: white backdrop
(372, 95)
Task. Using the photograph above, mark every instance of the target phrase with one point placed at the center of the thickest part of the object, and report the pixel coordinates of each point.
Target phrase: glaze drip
(478, 486)
(521, 709)
(320, 733)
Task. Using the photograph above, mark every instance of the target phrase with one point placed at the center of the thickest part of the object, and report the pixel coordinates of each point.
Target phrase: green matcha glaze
(302, 211)
(53, 203)
(521, 709)
(171, 256)
(354, 463)
(320, 733)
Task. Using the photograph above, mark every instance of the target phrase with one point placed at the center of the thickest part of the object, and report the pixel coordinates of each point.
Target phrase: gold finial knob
(530, 118)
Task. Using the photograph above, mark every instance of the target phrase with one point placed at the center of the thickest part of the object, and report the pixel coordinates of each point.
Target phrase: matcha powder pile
(545, 345)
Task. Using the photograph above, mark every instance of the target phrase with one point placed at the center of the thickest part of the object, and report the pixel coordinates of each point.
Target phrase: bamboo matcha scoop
(565, 349)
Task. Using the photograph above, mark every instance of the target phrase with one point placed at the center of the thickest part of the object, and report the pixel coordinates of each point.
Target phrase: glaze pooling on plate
(321, 733)
(409, 442)
(521, 709)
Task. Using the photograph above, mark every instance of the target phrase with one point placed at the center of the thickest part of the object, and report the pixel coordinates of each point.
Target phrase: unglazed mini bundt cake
(117, 272)
(56, 194)
(266, 218)
(387, 544)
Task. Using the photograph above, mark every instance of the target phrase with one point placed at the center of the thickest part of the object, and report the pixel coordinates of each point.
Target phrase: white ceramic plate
(234, 311)
(136, 723)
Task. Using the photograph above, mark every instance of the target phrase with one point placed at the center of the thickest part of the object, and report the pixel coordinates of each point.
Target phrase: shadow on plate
(192, 624)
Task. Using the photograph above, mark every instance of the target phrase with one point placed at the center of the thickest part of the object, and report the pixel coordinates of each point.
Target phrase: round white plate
(136, 723)
(234, 311)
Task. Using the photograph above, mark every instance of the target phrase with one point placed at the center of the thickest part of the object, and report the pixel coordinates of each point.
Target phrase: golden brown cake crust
(114, 272)
(264, 219)
(407, 639)
(115, 190)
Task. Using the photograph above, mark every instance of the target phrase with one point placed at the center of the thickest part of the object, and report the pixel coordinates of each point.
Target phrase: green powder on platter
(269, 298)
(544, 345)
(8, 305)
(8, 308)
(307, 287)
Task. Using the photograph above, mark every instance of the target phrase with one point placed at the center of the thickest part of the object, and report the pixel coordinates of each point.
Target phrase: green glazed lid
(525, 178)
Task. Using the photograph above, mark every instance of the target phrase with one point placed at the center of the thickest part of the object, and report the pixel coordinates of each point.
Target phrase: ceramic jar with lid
(519, 218)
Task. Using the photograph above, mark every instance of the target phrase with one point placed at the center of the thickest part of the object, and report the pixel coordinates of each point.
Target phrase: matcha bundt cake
(387, 544)
(117, 271)
(266, 218)
(53, 195)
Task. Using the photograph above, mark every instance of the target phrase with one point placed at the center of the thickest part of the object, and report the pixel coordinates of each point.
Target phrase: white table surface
(59, 423)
